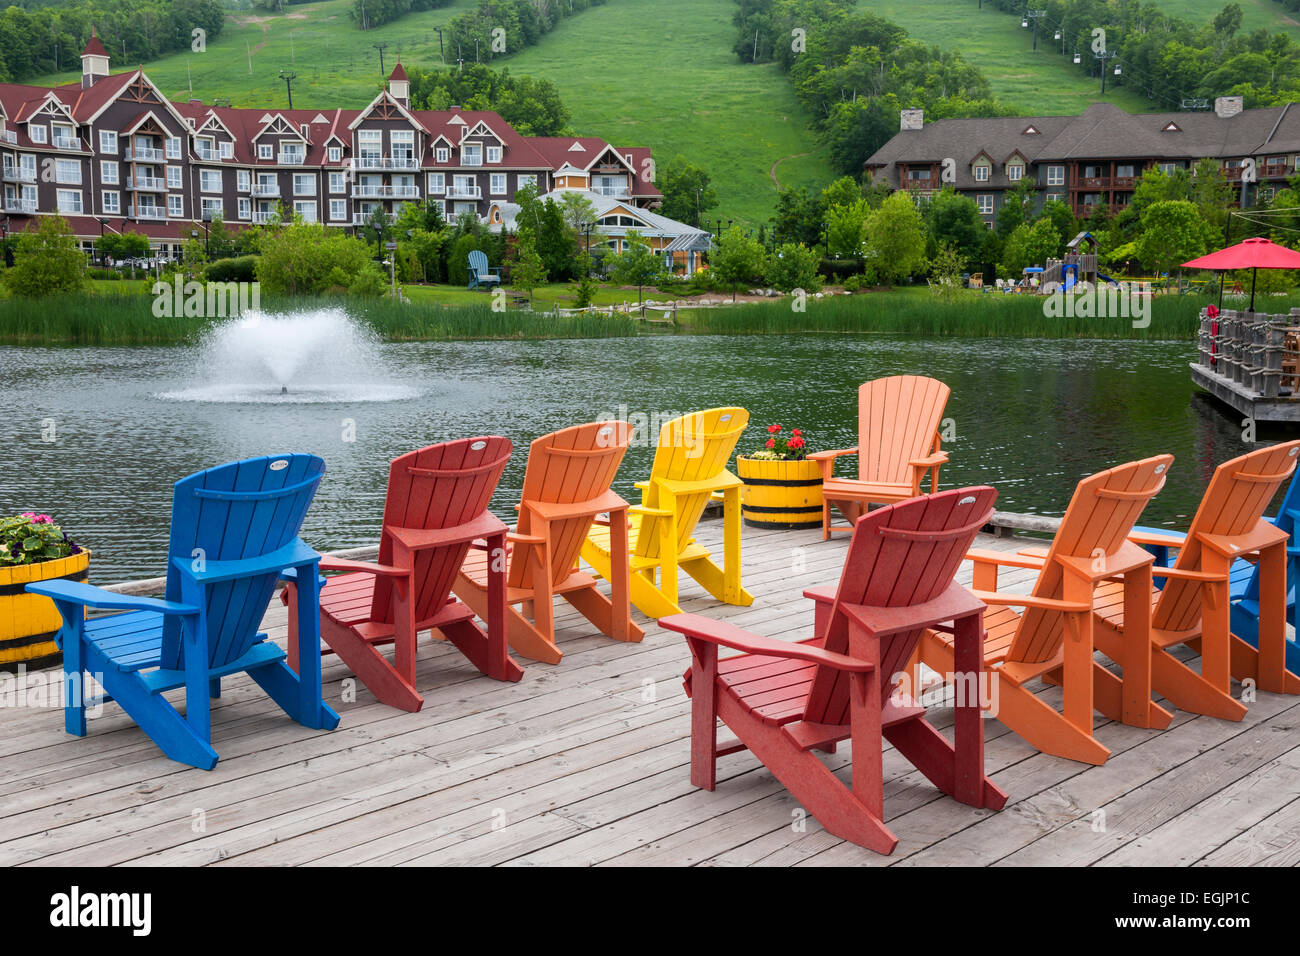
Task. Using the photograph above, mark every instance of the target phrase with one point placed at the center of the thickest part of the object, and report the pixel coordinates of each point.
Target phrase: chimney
(399, 85)
(94, 61)
(911, 119)
(1226, 106)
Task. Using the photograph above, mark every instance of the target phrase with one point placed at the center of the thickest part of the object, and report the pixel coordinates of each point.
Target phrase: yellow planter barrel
(28, 622)
(780, 494)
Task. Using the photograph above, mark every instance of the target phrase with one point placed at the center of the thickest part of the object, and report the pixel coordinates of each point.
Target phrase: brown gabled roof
(94, 47)
(399, 72)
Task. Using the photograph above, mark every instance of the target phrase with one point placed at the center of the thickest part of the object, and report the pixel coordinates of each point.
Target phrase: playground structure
(1078, 266)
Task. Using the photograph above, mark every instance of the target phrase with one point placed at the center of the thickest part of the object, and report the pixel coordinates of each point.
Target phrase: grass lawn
(545, 297)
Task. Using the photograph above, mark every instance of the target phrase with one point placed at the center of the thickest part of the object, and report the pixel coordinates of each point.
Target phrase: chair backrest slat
(694, 447)
(233, 512)
(898, 419)
(435, 487)
(568, 467)
(1234, 503)
(900, 556)
(1099, 519)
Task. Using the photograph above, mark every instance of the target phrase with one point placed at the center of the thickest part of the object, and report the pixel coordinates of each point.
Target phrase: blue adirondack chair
(480, 274)
(1244, 582)
(234, 532)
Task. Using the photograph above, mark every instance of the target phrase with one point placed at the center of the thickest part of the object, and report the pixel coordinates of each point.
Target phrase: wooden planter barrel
(780, 494)
(28, 622)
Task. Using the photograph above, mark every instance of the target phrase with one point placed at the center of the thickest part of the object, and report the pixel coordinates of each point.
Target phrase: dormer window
(227, 150)
(37, 133)
(442, 154)
(265, 150)
(471, 154)
(1172, 127)
(1015, 171)
(981, 171)
(1030, 131)
(335, 153)
(494, 154)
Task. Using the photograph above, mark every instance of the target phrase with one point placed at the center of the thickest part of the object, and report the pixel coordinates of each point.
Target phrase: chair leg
(1188, 690)
(159, 719)
(714, 580)
(74, 678)
(475, 644)
(370, 666)
(601, 612)
(704, 715)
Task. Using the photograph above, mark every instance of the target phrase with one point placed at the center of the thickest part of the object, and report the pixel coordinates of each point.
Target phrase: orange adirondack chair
(898, 442)
(566, 486)
(1194, 608)
(435, 510)
(1053, 639)
(689, 470)
(784, 699)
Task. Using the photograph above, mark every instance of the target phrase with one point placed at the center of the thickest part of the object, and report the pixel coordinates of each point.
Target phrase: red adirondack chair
(436, 508)
(784, 699)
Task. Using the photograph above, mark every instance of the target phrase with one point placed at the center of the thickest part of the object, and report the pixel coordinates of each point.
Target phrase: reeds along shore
(130, 320)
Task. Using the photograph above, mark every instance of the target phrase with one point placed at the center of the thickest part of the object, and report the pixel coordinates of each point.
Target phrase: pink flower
(771, 443)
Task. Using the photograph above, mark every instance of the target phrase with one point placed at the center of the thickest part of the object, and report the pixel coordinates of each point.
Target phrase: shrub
(793, 266)
(836, 270)
(853, 283)
(243, 269)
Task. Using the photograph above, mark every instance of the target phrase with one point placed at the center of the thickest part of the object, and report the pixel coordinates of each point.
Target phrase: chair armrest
(651, 512)
(1170, 539)
(420, 539)
(822, 595)
(1185, 575)
(364, 567)
(719, 482)
(1006, 558)
(76, 592)
(293, 554)
(728, 635)
(832, 455)
(1028, 600)
(938, 458)
(515, 537)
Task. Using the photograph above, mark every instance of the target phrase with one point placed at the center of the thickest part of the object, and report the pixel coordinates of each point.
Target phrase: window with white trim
(112, 201)
(67, 171)
(338, 183)
(525, 179)
(173, 147)
(69, 200)
(265, 150)
(210, 180)
(437, 183)
(108, 141)
(1015, 172)
(227, 150)
(304, 184)
(1056, 175)
(37, 133)
(212, 208)
(108, 171)
(498, 184)
(494, 154)
(335, 153)
(245, 208)
(176, 206)
(338, 209)
(174, 177)
(981, 172)
(985, 203)
(471, 154)
(243, 180)
(306, 209)
(442, 154)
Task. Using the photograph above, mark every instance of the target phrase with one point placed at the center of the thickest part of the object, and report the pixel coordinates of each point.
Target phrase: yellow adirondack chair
(690, 469)
(898, 442)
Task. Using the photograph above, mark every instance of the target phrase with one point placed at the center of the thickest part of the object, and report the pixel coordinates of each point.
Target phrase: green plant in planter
(31, 538)
(780, 448)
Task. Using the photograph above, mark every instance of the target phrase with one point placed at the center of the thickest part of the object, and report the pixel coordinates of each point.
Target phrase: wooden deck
(586, 763)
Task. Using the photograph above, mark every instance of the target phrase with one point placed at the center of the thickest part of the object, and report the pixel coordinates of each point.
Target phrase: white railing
(261, 218)
(464, 192)
(19, 174)
(291, 159)
(147, 212)
(386, 192)
(9, 136)
(385, 162)
(13, 204)
(142, 154)
(617, 191)
(151, 183)
(67, 142)
(207, 155)
(266, 189)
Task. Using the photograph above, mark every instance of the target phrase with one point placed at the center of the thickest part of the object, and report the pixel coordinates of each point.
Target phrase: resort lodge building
(112, 154)
(1091, 158)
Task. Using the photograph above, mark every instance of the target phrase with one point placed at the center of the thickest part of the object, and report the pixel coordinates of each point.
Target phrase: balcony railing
(208, 155)
(9, 136)
(616, 191)
(291, 159)
(261, 217)
(19, 174)
(385, 162)
(386, 192)
(24, 206)
(919, 184)
(147, 184)
(464, 192)
(71, 209)
(147, 212)
(143, 154)
(67, 142)
(266, 190)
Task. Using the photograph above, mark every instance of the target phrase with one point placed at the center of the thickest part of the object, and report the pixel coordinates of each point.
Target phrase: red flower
(771, 443)
(795, 443)
(797, 432)
(773, 429)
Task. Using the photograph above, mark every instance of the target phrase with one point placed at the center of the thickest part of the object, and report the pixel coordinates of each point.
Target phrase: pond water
(1031, 418)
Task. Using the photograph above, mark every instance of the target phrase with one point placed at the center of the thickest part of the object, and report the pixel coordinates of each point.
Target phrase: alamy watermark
(1123, 300)
(205, 300)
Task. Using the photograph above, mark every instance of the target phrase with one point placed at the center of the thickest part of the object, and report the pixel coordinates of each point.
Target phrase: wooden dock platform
(1244, 399)
(587, 763)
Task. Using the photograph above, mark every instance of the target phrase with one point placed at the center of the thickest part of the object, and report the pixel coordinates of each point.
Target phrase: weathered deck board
(587, 763)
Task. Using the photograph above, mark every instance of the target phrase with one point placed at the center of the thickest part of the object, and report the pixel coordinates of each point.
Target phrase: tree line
(532, 106)
(368, 14)
(853, 71)
(49, 39)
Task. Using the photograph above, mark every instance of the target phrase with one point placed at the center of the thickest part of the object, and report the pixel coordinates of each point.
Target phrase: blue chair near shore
(480, 273)
(234, 533)
(1244, 582)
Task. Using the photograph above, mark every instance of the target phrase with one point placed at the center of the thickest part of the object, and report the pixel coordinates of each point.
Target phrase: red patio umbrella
(1252, 254)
